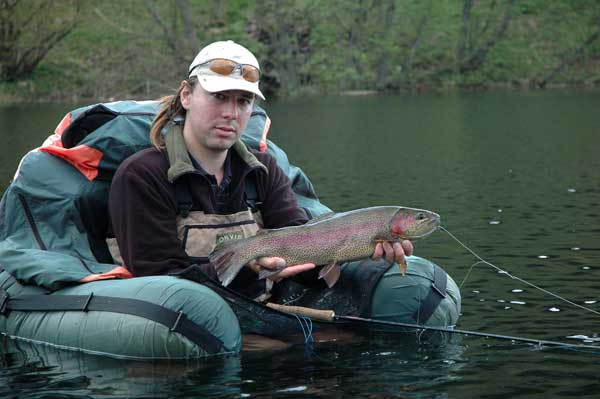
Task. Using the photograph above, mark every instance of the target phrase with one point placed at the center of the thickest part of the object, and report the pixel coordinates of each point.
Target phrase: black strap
(183, 196)
(251, 193)
(434, 297)
(176, 321)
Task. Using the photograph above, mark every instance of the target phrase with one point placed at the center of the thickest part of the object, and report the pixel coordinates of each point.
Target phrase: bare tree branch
(169, 37)
(21, 50)
(188, 25)
(387, 19)
(424, 20)
(465, 31)
(111, 23)
(477, 58)
(180, 33)
(570, 58)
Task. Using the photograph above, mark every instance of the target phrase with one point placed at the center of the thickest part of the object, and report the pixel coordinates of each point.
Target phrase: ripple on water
(300, 388)
(585, 338)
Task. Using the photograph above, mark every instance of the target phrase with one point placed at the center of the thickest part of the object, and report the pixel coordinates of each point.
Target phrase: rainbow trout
(326, 240)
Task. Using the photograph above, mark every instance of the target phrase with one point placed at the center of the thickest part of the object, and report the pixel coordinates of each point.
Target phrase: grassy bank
(141, 49)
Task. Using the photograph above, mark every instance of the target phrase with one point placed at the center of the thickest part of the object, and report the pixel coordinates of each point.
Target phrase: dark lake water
(516, 176)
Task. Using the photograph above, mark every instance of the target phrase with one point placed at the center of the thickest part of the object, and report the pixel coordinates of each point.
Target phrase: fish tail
(227, 263)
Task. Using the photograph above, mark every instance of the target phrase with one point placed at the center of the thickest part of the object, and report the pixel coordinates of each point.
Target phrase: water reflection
(29, 369)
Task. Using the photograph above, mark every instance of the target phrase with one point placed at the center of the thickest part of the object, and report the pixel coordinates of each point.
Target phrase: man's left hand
(393, 251)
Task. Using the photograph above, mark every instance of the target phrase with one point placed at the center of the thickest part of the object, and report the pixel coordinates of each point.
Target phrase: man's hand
(393, 251)
(275, 263)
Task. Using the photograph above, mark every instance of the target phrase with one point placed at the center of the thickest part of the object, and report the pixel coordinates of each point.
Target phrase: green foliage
(29, 30)
(142, 48)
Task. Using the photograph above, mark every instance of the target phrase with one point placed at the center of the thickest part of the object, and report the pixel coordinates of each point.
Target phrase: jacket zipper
(34, 229)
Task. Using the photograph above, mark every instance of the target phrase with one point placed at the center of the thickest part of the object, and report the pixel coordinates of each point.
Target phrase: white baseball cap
(214, 82)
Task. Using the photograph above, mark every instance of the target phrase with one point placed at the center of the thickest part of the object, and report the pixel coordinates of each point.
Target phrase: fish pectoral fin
(264, 272)
(331, 273)
(402, 268)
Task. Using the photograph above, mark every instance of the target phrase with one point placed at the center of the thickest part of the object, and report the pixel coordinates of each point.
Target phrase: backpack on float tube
(54, 215)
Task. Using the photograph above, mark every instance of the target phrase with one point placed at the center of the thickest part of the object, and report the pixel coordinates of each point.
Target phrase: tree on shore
(579, 49)
(476, 41)
(29, 30)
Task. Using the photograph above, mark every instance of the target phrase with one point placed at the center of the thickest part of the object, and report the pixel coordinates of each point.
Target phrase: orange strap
(117, 272)
(85, 159)
(64, 123)
(262, 144)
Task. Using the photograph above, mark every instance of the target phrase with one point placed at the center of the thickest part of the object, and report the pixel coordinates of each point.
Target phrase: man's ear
(185, 94)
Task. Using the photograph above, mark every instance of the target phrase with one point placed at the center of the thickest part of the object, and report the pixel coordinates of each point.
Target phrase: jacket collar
(180, 161)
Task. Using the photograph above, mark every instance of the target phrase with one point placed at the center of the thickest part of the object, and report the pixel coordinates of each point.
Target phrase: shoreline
(9, 97)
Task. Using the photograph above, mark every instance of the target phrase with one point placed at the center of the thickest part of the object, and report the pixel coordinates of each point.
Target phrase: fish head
(410, 223)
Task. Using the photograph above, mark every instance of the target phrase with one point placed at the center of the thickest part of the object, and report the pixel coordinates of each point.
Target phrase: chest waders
(200, 232)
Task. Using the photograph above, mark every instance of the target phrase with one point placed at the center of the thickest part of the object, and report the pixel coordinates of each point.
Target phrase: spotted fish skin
(341, 237)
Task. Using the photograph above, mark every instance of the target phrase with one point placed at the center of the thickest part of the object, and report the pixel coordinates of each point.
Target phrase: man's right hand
(275, 263)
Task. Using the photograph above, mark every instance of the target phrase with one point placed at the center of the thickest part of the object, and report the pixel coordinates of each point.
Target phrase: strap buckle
(87, 302)
(177, 320)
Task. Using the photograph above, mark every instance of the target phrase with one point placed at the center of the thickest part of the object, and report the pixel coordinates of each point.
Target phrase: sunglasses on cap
(228, 67)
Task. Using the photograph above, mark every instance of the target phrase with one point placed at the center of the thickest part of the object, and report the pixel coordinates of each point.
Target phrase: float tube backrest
(54, 215)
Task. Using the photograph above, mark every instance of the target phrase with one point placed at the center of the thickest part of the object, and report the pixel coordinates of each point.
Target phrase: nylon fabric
(397, 297)
(378, 290)
(138, 336)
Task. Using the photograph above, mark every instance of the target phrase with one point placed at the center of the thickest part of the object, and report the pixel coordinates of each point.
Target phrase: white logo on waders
(228, 236)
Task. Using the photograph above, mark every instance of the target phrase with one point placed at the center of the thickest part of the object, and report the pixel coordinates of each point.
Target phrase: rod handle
(317, 314)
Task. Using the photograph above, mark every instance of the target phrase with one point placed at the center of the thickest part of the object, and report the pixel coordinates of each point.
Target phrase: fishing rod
(330, 316)
(236, 299)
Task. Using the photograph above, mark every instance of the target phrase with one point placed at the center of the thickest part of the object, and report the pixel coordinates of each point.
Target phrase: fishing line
(468, 274)
(481, 260)
(307, 332)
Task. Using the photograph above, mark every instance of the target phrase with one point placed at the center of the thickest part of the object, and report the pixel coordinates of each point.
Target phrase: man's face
(214, 121)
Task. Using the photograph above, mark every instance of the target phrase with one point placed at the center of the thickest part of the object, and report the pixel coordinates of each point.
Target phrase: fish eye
(420, 216)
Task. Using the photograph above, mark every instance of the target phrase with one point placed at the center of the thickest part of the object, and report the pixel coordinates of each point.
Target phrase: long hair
(170, 107)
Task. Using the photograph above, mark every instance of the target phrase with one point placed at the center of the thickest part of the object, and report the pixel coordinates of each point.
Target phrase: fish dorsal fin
(321, 217)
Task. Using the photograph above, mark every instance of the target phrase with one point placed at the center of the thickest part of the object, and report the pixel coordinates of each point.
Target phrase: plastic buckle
(177, 320)
(87, 302)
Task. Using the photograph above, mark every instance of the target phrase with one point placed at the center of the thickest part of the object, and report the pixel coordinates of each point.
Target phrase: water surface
(516, 176)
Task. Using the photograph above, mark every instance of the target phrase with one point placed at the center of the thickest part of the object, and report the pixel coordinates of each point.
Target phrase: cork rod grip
(317, 314)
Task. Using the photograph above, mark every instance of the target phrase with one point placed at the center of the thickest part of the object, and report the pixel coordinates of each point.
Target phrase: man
(171, 204)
